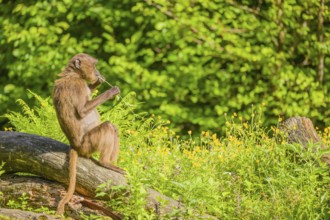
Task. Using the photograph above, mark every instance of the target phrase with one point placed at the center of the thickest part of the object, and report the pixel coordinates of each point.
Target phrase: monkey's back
(69, 95)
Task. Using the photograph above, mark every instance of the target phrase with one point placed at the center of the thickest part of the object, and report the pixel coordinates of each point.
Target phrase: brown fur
(79, 119)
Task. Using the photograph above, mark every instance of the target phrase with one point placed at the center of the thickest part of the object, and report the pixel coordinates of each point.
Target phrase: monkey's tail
(72, 183)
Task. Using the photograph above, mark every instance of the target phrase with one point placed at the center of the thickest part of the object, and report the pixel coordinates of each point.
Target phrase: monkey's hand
(113, 91)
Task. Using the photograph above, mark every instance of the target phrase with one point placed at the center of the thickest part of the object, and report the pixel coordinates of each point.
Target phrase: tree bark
(49, 159)
(21, 215)
(301, 130)
(40, 192)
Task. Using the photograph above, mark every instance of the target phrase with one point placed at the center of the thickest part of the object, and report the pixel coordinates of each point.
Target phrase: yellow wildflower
(198, 149)
(245, 125)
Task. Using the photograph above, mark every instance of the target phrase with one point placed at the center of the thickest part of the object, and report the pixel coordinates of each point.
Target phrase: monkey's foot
(110, 167)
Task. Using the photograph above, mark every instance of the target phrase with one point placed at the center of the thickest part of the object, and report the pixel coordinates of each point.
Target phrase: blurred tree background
(190, 61)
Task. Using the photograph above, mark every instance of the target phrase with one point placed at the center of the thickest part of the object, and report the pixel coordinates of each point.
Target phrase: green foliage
(189, 61)
(92, 217)
(6, 218)
(1, 193)
(129, 200)
(21, 204)
(38, 120)
(245, 175)
(1, 166)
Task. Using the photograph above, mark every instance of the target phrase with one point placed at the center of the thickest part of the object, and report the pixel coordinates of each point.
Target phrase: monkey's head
(85, 66)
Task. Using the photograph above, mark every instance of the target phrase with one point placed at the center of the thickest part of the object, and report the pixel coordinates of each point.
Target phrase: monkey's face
(86, 67)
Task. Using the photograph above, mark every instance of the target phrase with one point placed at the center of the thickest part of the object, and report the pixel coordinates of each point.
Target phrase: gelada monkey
(79, 119)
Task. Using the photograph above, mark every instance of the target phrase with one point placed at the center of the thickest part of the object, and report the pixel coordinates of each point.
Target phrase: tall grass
(244, 174)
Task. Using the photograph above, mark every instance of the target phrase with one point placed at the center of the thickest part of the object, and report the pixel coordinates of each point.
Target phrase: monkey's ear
(77, 63)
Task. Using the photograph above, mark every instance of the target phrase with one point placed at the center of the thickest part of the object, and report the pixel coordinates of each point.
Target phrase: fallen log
(48, 158)
(301, 130)
(40, 192)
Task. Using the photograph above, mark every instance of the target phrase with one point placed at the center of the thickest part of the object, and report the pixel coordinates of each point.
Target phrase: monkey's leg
(115, 151)
(113, 143)
(102, 138)
(110, 148)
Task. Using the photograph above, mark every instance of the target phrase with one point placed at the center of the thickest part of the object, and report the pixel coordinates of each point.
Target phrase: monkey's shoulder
(71, 86)
(72, 80)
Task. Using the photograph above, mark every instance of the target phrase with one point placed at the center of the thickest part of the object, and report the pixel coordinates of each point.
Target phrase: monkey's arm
(90, 105)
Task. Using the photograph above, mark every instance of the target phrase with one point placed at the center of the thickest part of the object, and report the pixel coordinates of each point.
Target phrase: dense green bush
(191, 61)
